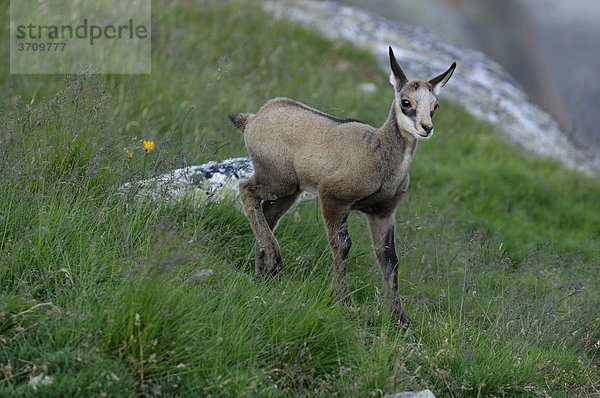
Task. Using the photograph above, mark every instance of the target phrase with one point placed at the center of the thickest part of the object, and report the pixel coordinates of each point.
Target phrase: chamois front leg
(268, 255)
(335, 216)
(382, 234)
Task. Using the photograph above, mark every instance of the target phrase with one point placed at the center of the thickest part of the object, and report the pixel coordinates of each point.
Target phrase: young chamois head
(416, 100)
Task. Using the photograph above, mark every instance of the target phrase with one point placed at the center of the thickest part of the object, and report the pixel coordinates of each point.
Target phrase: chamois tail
(240, 120)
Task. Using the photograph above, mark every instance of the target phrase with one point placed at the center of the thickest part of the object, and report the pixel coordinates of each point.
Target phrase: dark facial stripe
(410, 112)
(433, 108)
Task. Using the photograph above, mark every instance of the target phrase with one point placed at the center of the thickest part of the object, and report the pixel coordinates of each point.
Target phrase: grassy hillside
(115, 296)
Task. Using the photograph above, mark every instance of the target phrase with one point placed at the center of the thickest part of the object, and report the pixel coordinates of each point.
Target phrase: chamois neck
(399, 139)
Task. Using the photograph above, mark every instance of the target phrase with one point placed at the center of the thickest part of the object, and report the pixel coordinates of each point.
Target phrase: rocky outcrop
(410, 394)
(481, 85)
(207, 182)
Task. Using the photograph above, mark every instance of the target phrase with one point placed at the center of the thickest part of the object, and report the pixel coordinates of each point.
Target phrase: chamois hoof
(268, 262)
(274, 267)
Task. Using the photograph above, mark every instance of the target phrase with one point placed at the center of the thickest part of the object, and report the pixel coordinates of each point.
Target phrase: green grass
(112, 295)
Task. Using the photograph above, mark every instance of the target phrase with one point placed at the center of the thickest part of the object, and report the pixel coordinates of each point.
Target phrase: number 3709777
(26, 46)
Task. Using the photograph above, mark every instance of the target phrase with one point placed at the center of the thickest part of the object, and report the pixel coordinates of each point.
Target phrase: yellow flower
(130, 155)
(148, 146)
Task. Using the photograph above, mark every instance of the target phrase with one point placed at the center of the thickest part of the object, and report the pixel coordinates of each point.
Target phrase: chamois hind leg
(382, 233)
(335, 217)
(275, 209)
(268, 255)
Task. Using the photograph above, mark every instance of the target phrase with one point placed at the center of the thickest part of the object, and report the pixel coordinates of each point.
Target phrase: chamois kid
(348, 164)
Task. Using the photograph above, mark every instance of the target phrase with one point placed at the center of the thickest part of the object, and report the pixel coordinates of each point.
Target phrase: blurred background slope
(550, 47)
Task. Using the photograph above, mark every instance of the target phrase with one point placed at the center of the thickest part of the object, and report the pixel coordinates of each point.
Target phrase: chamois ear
(397, 76)
(439, 81)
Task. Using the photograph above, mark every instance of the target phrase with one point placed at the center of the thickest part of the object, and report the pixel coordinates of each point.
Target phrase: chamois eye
(405, 103)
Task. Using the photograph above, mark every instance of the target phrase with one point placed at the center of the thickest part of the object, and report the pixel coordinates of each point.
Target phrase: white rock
(40, 379)
(410, 394)
(209, 182)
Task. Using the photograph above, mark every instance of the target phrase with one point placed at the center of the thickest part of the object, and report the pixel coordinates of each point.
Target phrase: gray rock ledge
(209, 182)
(411, 394)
